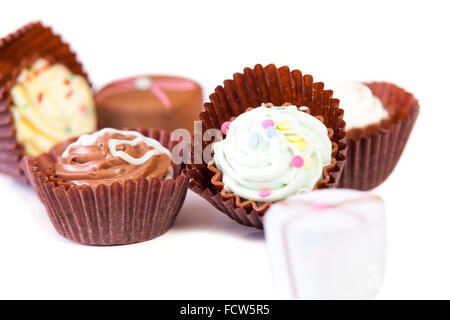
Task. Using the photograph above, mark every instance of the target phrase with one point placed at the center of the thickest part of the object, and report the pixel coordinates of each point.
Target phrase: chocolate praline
(162, 102)
(108, 189)
(110, 155)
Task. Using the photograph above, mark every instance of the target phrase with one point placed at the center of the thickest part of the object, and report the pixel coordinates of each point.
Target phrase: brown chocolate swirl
(105, 160)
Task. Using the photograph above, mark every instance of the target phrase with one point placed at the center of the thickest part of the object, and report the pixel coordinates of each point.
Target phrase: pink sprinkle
(320, 206)
(69, 94)
(297, 162)
(66, 82)
(267, 123)
(40, 96)
(264, 193)
(225, 126)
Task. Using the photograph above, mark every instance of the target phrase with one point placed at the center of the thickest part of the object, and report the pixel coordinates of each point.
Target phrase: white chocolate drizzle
(90, 139)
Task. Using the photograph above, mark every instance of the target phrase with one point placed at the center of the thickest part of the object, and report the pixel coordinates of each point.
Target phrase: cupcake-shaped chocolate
(111, 187)
(161, 102)
(45, 97)
(379, 118)
(283, 135)
(272, 152)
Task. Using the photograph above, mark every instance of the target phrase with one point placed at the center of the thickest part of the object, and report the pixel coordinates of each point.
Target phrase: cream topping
(270, 153)
(361, 106)
(50, 105)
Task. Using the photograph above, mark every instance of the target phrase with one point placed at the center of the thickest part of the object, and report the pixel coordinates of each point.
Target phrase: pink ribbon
(156, 86)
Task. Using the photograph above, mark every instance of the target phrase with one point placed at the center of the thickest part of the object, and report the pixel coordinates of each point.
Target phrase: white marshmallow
(327, 244)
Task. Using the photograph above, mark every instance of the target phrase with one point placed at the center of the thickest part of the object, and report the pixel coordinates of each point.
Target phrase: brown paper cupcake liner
(19, 50)
(123, 213)
(373, 152)
(250, 89)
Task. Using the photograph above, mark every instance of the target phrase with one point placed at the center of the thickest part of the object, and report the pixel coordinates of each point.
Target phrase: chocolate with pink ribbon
(146, 101)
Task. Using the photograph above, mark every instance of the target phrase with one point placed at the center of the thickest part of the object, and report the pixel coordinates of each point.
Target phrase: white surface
(327, 253)
(206, 255)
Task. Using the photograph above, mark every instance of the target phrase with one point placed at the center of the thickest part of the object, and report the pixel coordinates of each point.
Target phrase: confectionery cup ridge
(110, 195)
(375, 149)
(35, 130)
(250, 89)
(19, 51)
(288, 151)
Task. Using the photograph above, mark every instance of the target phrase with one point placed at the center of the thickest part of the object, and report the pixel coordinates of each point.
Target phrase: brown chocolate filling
(95, 165)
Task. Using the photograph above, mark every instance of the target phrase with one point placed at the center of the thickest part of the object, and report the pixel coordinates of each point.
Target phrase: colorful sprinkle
(40, 96)
(271, 132)
(28, 78)
(66, 82)
(26, 105)
(47, 66)
(283, 125)
(83, 108)
(72, 77)
(267, 123)
(294, 138)
(225, 126)
(307, 162)
(68, 129)
(69, 94)
(254, 140)
(264, 193)
(300, 145)
(297, 162)
(36, 73)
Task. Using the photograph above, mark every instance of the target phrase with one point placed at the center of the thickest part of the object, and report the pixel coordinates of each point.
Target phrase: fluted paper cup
(126, 212)
(19, 50)
(373, 151)
(250, 89)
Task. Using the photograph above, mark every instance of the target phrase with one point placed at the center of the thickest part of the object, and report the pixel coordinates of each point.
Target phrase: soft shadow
(33, 207)
(198, 214)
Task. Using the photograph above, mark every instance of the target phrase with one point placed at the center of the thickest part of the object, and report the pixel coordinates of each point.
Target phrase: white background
(207, 255)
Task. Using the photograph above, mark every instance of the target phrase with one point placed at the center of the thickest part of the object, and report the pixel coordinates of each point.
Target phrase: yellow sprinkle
(307, 161)
(283, 125)
(294, 138)
(300, 145)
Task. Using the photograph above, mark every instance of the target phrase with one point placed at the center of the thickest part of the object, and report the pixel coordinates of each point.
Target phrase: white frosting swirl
(361, 106)
(90, 139)
(266, 163)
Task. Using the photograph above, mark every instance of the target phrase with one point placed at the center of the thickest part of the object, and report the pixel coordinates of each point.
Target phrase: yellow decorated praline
(50, 105)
